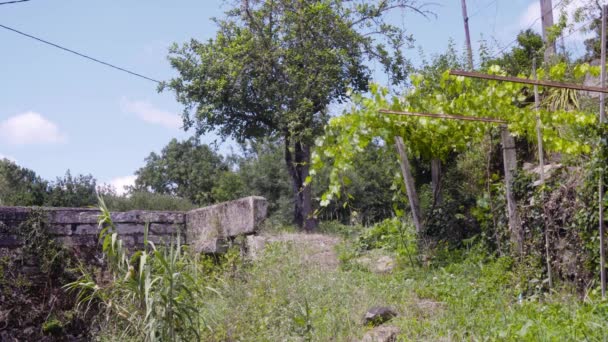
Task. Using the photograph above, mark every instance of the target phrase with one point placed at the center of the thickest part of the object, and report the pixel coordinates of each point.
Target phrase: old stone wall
(206, 228)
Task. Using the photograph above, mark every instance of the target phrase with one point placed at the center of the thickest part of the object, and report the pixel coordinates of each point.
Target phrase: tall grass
(151, 294)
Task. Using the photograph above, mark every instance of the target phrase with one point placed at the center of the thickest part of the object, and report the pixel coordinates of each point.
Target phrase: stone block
(12, 217)
(78, 240)
(213, 224)
(212, 246)
(129, 228)
(166, 228)
(85, 229)
(72, 215)
(140, 216)
(10, 241)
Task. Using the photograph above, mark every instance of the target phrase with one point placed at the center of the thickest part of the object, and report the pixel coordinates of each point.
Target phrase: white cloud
(148, 113)
(528, 19)
(30, 128)
(120, 183)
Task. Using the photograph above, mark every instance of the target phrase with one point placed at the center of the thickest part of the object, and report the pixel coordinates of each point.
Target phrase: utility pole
(601, 177)
(465, 17)
(546, 15)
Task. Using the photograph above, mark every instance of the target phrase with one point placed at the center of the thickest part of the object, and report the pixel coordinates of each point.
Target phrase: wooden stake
(553, 84)
(444, 116)
(510, 165)
(541, 165)
(410, 187)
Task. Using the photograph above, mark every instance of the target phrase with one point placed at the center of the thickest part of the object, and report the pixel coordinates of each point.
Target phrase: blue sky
(59, 111)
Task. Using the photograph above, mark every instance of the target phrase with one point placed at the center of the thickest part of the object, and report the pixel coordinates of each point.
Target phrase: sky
(59, 111)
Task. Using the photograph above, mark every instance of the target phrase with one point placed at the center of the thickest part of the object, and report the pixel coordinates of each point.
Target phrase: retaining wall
(206, 228)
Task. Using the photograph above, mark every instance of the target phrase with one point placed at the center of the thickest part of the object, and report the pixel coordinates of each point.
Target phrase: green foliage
(276, 66)
(52, 259)
(20, 186)
(368, 187)
(273, 68)
(153, 293)
(426, 138)
(52, 327)
(69, 191)
(390, 234)
(518, 61)
(186, 169)
(262, 172)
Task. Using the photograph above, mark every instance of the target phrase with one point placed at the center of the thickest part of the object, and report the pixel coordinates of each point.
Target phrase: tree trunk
(298, 165)
(510, 164)
(410, 186)
(436, 180)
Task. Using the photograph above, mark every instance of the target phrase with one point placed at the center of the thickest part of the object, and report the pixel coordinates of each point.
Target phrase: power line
(79, 54)
(12, 2)
(483, 8)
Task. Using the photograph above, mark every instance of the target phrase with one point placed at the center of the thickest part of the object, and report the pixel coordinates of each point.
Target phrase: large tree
(187, 169)
(275, 66)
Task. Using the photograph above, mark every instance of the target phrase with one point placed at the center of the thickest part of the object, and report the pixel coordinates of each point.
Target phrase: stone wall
(206, 228)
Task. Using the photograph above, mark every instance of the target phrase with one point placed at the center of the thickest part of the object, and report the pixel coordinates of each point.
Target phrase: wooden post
(467, 36)
(410, 187)
(510, 165)
(436, 180)
(601, 176)
(541, 165)
(543, 83)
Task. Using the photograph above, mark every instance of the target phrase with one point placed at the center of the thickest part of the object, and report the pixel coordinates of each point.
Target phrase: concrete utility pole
(546, 14)
(465, 17)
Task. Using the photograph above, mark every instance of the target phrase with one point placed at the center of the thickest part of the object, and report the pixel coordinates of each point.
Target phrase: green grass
(279, 299)
(470, 297)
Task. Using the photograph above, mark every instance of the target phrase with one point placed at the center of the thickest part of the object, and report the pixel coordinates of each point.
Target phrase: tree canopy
(274, 67)
(186, 169)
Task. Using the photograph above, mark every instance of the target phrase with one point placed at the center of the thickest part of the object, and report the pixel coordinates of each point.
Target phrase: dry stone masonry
(206, 229)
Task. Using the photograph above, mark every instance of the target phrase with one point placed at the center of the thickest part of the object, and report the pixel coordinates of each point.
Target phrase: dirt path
(315, 249)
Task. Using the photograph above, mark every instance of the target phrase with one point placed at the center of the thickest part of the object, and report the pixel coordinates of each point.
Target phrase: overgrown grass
(279, 298)
(150, 294)
(464, 295)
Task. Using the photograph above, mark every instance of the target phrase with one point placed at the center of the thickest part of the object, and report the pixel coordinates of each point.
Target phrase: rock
(379, 264)
(378, 315)
(385, 333)
(385, 264)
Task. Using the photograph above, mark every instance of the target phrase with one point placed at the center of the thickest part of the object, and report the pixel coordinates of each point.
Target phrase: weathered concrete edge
(209, 228)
